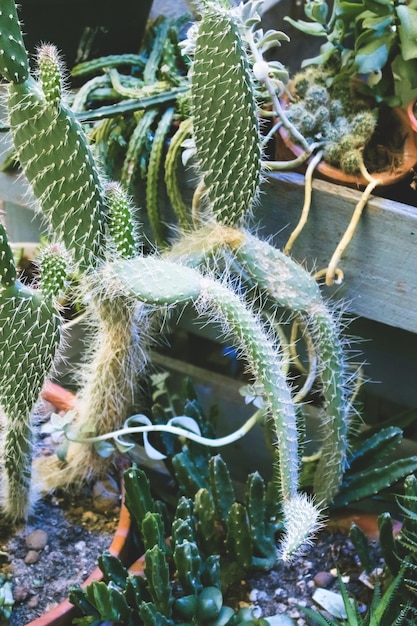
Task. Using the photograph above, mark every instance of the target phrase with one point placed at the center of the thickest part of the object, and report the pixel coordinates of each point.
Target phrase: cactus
(122, 292)
(230, 167)
(57, 160)
(159, 283)
(284, 282)
(78, 207)
(29, 338)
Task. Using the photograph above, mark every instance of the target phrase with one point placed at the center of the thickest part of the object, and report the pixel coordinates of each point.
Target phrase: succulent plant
(187, 565)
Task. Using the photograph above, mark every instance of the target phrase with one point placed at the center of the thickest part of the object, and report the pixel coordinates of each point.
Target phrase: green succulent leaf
(309, 28)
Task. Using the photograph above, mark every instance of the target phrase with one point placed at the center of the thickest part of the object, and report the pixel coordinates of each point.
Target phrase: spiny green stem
(230, 168)
(265, 363)
(289, 285)
(171, 174)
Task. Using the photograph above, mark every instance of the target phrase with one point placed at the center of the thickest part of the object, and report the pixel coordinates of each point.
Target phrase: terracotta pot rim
(411, 114)
(63, 613)
(385, 178)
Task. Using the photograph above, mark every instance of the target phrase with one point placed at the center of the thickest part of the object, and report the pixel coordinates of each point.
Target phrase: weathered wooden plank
(380, 264)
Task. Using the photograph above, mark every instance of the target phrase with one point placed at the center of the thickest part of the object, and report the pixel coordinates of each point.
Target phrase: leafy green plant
(375, 464)
(373, 44)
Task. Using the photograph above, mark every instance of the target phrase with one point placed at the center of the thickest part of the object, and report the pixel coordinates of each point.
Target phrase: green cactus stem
(225, 123)
(172, 162)
(29, 338)
(290, 286)
(53, 263)
(154, 174)
(57, 160)
(121, 221)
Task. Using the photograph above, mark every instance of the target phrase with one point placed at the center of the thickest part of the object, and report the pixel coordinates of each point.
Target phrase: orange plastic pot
(64, 613)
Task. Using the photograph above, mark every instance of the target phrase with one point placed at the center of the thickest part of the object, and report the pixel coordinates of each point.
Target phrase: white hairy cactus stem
(302, 520)
(290, 286)
(265, 363)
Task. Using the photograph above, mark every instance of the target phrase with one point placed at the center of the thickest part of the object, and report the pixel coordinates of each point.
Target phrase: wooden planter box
(380, 264)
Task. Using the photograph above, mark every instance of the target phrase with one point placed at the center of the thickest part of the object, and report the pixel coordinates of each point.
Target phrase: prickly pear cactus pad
(224, 117)
(29, 338)
(51, 145)
(14, 64)
(158, 282)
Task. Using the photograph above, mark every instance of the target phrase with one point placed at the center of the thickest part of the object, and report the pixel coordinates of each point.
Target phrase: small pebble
(33, 602)
(80, 546)
(280, 593)
(256, 594)
(323, 579)
(32, 557)
(37, 539)
(106, 495)
(280, 620)
(88, 517)
(243, 605)
(20, 593)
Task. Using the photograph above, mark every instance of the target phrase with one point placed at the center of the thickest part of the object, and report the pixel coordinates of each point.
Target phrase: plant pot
(286, 149)
(64, 613)
(84, 29)
(411, 112)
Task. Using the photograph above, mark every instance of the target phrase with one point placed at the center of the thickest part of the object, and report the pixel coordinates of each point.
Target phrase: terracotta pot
(64, 613)
(286, 149)
(367, 522)
(411, 112)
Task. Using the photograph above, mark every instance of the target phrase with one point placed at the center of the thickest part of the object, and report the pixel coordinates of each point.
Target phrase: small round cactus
(325, 114)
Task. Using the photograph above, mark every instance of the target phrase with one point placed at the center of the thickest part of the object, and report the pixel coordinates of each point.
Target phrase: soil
(57, 547)
(60, 542)
(288, 586)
